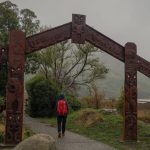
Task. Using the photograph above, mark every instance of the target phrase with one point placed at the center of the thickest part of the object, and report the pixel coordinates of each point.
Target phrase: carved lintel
(47, 38)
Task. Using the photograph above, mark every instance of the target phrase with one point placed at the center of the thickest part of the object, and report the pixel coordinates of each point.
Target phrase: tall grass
(144, 112)
(144, 115)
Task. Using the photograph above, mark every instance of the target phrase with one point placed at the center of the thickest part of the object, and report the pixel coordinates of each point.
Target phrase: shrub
(2, 130)
(93, 101)
(89, 117)
(2, 104)
(88, 102)
(120, 102)
(41, 97)
(2, 101)
(1, 137)
(96, 96)
(73, 103)
(108, 104)
(27, 132)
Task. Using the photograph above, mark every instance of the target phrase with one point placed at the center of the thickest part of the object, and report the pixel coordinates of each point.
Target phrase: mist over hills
(114, 80)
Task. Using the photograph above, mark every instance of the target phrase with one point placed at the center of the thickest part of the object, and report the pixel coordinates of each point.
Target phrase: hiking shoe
(63, 134)
(59, 135)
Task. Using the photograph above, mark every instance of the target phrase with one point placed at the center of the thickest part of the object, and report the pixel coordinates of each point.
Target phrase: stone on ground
(37, 142)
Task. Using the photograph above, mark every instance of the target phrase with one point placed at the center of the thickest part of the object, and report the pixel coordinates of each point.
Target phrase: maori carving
(16, 71)
(130, 106)
(114, 49)
(48, 38)
(14, 119)
(79, 32)
(143, 66)
(78, 29)
(3, 56)
(130, 96)
(104, 43)
(131, 121)
(11, 86)
(15, 88)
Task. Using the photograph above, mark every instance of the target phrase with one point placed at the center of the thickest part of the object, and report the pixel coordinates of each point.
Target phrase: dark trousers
(61, 123)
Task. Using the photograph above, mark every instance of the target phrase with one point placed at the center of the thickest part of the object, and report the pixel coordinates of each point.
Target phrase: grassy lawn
(108, 131)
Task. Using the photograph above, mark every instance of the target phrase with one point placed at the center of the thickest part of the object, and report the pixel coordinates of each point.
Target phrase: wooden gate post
(130, 104)
(15, 88)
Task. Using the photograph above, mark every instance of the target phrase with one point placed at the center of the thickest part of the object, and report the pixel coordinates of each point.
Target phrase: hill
(114, 80)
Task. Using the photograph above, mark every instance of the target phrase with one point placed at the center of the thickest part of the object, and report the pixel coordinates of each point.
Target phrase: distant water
(143, 100)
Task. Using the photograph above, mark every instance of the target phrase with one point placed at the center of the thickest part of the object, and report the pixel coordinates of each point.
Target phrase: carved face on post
(3, 56)
(15, 88)
(78, 29)
(130, 106)
(16, 71)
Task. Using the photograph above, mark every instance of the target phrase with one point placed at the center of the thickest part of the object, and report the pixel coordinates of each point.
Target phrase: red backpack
(62, 108)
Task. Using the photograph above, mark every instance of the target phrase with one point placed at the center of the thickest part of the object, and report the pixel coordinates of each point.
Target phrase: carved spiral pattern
(130, 130)
(14, 127)
(15, 88)
(78, 29)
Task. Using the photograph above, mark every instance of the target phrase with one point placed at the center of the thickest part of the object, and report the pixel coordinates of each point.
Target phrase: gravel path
(71, 141)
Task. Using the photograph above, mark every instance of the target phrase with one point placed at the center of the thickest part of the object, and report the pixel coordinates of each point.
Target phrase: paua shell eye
(12, 70)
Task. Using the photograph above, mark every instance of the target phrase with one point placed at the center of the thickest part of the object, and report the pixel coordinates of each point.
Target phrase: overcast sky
(121, 20)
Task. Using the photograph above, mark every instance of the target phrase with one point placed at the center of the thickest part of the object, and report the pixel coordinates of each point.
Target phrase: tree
(11, 18)
(70, 66)
(41, 97)
(30, 25)
(96, 95)
(28, 21)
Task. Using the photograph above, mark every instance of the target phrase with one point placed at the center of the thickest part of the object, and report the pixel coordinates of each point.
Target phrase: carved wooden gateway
(79, 32)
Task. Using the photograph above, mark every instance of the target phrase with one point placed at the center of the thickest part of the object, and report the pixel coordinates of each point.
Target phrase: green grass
(27, 132)
(109, 131)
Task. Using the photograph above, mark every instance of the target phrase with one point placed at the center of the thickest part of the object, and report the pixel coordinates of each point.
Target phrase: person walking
(62, 112)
